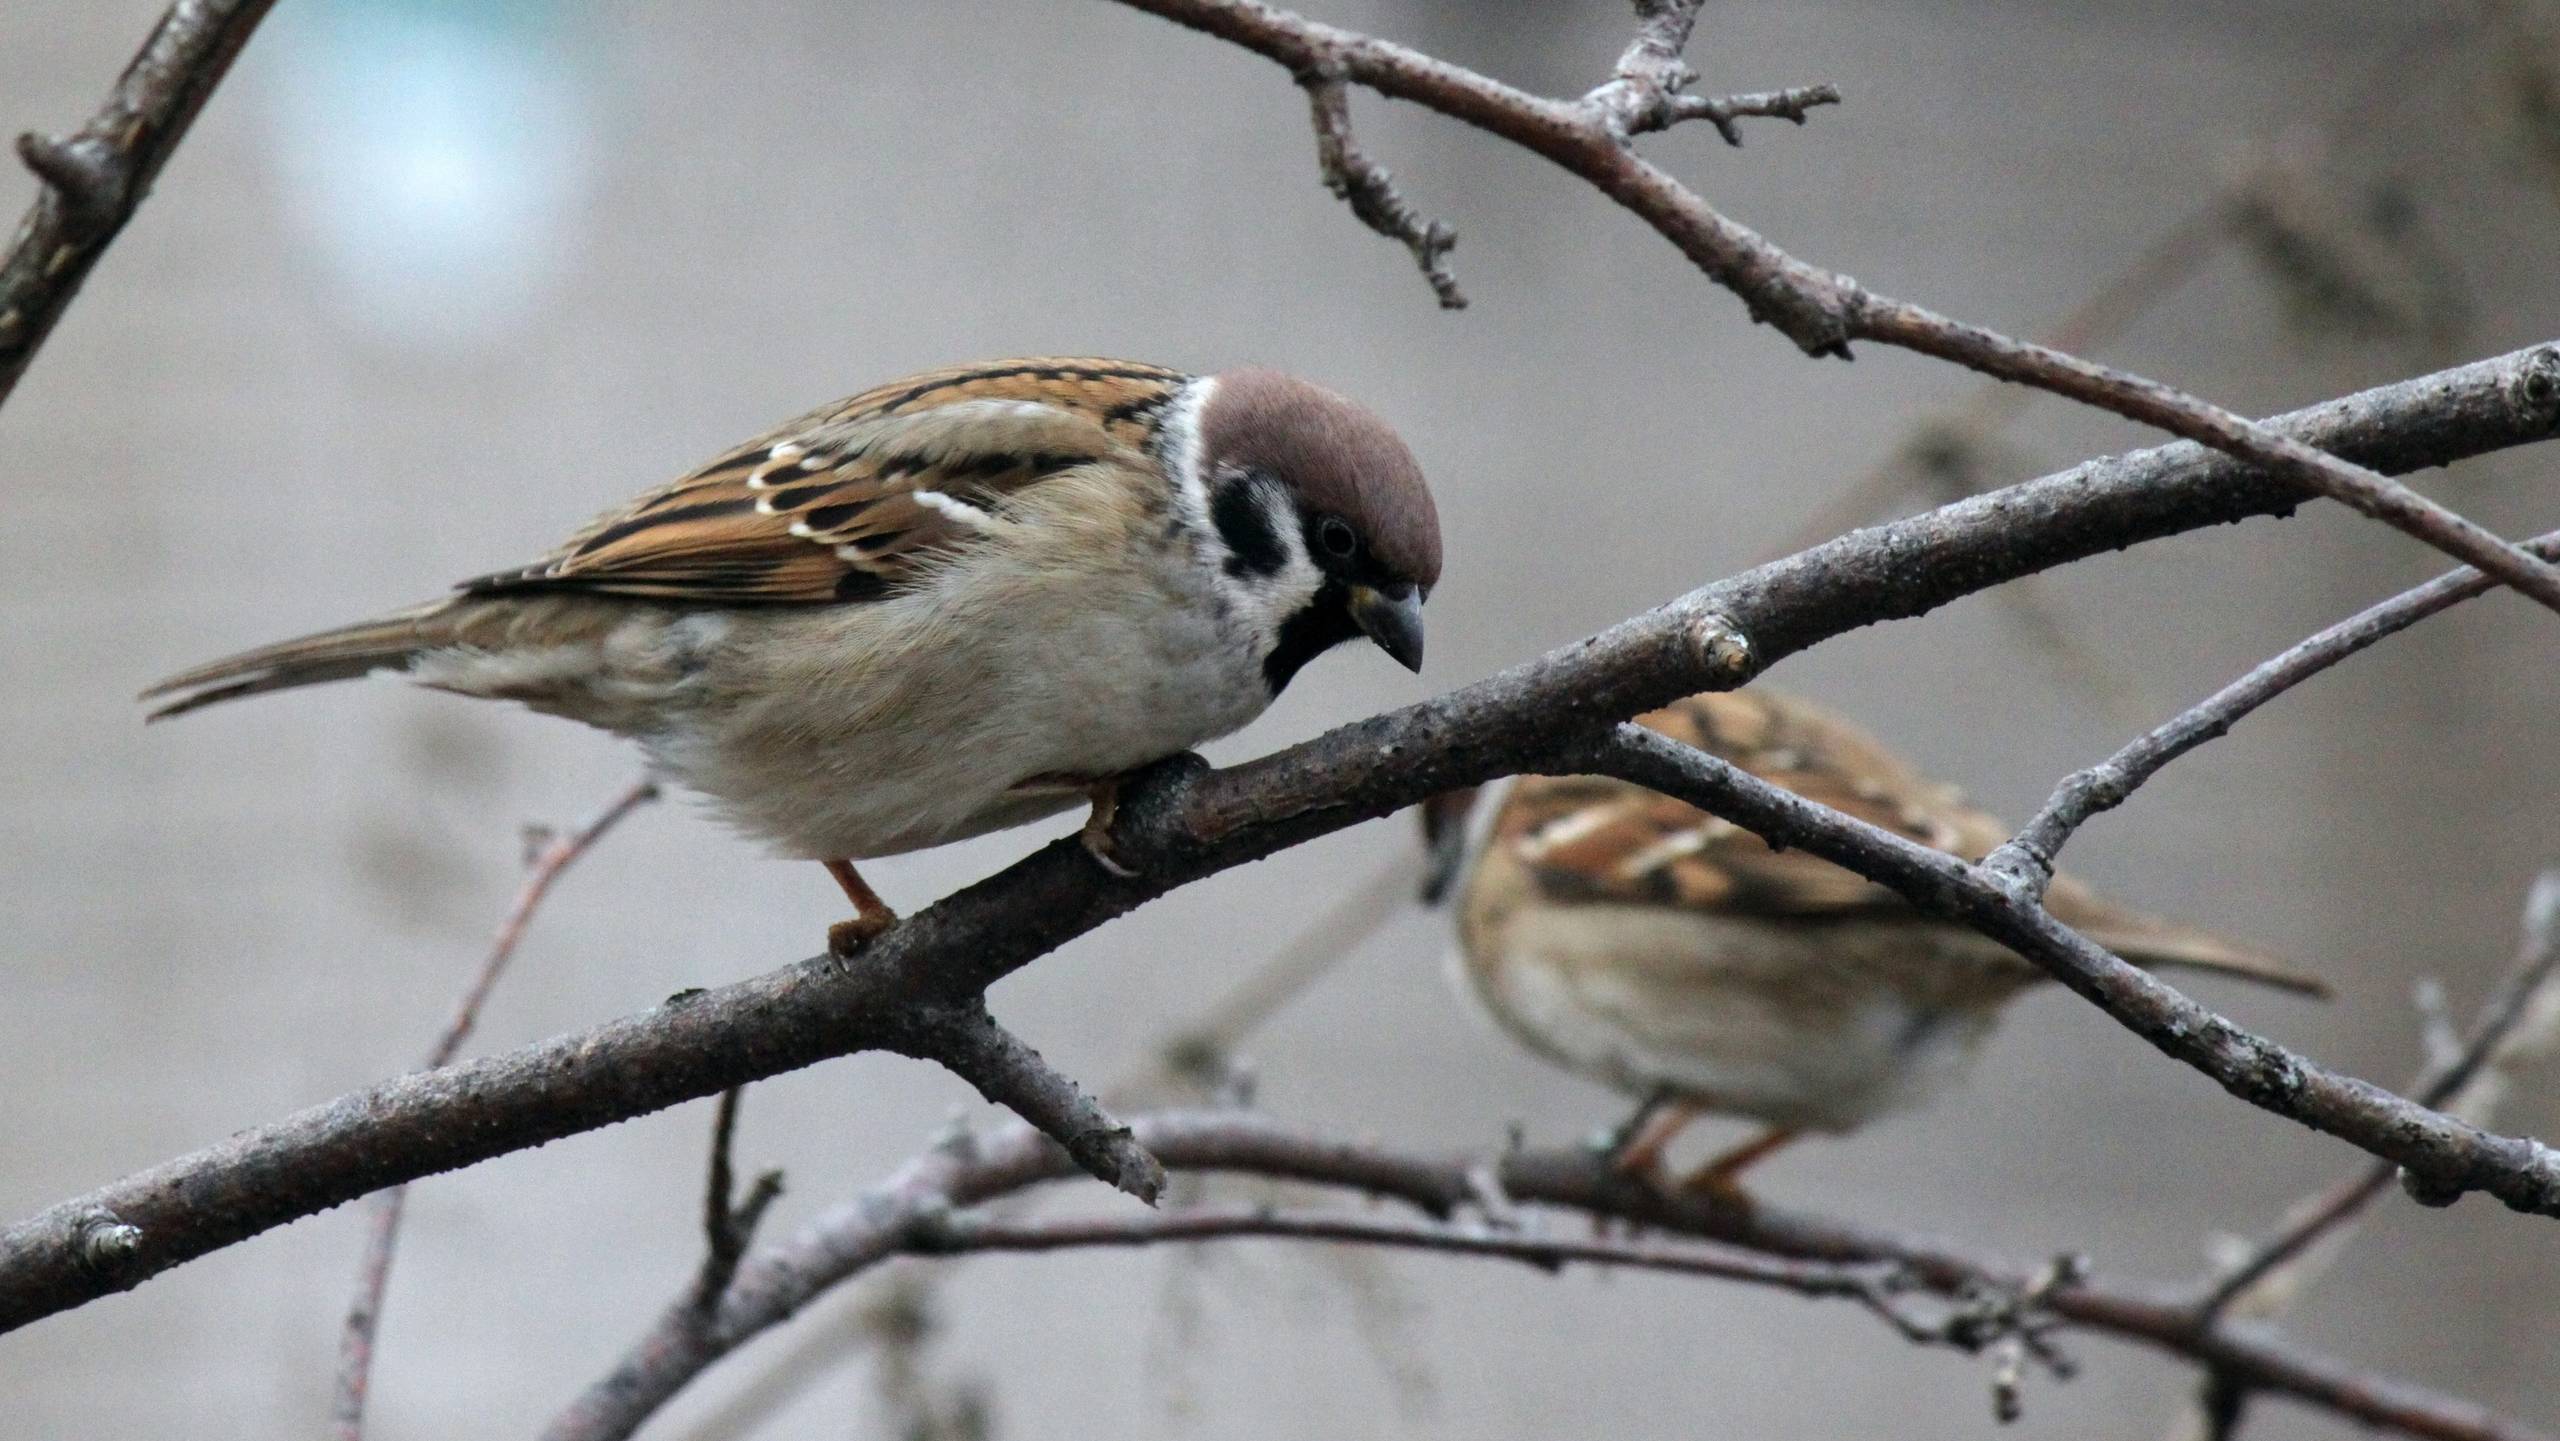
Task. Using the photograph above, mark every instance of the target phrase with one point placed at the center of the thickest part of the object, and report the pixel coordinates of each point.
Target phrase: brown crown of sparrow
(1675, 956)
(954, 603)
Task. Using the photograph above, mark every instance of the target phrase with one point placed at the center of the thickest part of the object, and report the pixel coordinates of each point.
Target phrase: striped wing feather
(1583, 838)
(1587, 838)
(847, 502)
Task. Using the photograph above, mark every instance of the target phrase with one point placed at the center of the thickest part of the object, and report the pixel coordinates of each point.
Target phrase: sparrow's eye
(1334, 534)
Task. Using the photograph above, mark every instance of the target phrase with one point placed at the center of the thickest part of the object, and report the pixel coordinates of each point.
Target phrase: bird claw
(1097, 844)
(845, 939)
(1096, 834)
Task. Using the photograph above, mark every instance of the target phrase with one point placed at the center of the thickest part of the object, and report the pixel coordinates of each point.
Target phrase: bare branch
(1820, 310)
(1877, 1286)
(364, 1315)
(967, 1041)
(1722, 111)
(1645, 94)
(1180, 823)
(1365, 185)
(95, 178)
(1990, 1300)
(2028, 859)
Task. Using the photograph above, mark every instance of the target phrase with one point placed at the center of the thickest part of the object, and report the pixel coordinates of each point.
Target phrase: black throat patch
(1325, 623)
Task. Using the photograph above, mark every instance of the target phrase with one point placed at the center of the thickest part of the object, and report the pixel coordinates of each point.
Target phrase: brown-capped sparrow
(957, 602)
(1648, 945)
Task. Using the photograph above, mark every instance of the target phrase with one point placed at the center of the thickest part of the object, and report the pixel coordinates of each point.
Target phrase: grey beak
(1393, 618)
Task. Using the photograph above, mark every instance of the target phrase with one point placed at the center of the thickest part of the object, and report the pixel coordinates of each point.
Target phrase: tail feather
(2156, 945)
(389, 642)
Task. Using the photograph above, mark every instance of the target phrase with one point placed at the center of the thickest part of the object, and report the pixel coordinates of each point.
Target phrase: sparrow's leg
(1104, 795)
(871, 915)
(1721, 1178)
(1096, 835)
(1651, 1133)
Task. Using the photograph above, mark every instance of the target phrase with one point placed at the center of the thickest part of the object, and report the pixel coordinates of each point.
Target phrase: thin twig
(1370, 191)
(728, 1220)
(364, 1314)
(1182, 822)
(1992, 1299)
(2028, 858)
(1876, 1286)
(95, 178)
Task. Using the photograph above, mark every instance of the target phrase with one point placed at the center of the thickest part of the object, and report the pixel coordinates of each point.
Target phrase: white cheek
(1266, 602)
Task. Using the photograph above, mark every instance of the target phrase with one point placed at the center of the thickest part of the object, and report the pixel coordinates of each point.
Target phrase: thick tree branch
(922, 1211)
(1821, 310)
(95, 178)
(1180, 824)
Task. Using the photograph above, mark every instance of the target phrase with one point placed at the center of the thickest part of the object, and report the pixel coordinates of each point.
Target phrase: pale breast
(1821, 1027)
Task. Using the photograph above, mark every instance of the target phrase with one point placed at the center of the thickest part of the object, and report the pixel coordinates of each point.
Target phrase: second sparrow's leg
(1651, 1133)
(871, 915)
(1721, 1178)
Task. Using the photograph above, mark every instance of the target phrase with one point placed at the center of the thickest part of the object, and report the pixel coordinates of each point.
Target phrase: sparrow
(951, 604)
(1676, 957)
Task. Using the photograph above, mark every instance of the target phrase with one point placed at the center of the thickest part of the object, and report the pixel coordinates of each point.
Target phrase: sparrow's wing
(1584, 838)
(849, 501)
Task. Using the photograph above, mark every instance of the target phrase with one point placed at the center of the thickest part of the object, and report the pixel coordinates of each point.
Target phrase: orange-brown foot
(1719, 1182)
(871, 915)
(1096, 834)
(845, 939)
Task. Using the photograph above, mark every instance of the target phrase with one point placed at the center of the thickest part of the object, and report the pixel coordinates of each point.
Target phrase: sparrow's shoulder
(1584, 838)
(851, 500)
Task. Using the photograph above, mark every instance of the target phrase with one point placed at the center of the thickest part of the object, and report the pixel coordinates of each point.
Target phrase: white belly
(868, 730)
(1818, 1027)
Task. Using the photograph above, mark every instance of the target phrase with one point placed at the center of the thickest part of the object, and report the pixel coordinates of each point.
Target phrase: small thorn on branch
(1370, 190)
(83, 175)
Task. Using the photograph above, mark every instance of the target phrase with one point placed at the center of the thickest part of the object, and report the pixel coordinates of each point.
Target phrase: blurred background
(431, 282)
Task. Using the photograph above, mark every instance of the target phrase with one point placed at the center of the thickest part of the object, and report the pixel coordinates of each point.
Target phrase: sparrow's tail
(390, 642)
(2158, 945)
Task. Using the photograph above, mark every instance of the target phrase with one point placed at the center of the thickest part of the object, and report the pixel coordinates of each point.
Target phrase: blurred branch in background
(2348, 262)
(95, 178)
(547, 856)
(932, 1207)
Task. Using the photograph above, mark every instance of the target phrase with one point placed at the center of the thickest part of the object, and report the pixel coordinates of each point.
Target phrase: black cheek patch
(1253, 547)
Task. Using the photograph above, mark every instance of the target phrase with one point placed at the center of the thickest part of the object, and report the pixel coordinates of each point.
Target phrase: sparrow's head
(1323, 514)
